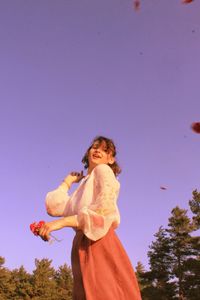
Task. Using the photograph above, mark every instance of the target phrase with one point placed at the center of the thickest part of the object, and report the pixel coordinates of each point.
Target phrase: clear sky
(74, 69)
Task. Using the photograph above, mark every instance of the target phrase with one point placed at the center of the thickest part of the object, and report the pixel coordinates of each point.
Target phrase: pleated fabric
(102, 270)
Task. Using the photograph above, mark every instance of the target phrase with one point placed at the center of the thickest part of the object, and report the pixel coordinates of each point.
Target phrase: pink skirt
(102, 269)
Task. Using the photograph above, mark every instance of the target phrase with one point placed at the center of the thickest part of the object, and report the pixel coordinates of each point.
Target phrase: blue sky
(71, 70)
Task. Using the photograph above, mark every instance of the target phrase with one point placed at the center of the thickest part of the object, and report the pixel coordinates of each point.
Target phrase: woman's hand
(73, 177)
(48, 227)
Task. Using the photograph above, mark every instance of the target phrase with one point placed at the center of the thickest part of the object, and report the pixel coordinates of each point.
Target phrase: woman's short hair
(110, 147)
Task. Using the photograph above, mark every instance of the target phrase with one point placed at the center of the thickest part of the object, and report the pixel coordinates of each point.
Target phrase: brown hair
(110, 147)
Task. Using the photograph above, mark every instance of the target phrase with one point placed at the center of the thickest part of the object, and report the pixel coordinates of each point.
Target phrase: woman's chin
(93, 164)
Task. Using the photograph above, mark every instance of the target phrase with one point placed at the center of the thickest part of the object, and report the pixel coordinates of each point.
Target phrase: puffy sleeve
(56, 201)
(96, 219)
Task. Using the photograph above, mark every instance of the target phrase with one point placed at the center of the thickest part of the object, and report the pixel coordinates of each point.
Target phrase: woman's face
(99, 154)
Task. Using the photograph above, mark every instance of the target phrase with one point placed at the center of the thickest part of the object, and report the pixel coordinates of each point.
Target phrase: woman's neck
(90, 168)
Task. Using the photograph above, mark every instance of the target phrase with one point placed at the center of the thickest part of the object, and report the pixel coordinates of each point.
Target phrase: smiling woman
(101, 268)
(102, 150)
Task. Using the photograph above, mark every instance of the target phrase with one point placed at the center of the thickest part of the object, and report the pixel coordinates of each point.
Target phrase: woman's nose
(97, 151)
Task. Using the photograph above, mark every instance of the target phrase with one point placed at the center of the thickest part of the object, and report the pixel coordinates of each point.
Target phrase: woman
(101, 268)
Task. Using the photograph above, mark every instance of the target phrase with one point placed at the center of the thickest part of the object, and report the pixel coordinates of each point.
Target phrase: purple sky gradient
(71, 70)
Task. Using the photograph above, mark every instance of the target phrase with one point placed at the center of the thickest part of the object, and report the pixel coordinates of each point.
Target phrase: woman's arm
(56, 201)
(55, 204)
(48, 227)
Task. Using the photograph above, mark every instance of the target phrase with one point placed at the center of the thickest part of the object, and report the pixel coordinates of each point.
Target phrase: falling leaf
(163, 188)
(187, 1)
(136, 4)
(196, 127)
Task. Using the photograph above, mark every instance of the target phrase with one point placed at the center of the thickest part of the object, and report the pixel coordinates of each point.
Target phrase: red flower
(35, 227)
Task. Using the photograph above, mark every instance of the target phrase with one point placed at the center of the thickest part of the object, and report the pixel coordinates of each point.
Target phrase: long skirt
(102, 270)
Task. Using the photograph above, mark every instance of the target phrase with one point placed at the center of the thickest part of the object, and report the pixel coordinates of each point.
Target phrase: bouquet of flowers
(35, 228)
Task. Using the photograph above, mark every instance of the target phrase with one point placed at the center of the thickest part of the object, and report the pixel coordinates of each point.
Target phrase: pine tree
(44, 285)
(63, 278)
(192, 266)
(158, 284)
(192, 273)
(23, 287)
(180, 228)
(140, 271)
(195, 208)
(6, 284)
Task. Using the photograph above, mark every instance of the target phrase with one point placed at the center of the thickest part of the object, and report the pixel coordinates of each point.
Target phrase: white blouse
(94, 202)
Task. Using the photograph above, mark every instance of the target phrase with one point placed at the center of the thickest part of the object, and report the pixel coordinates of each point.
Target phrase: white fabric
(94, 202)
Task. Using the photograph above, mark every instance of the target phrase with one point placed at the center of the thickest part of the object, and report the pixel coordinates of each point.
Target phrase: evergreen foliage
(157, 281)
(63, 277)
(174, 258)
(195, 208)
(180, 229)
(6, 284)
(45, 283)
(22, 283)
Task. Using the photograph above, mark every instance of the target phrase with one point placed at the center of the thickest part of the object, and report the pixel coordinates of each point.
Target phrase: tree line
(174, 258)
(174, 266)
(45, 283)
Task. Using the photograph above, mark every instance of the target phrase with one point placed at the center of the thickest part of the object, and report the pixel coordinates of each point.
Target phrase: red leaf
(196, 127)
(187, 1)
(163, 188)
(136, 4)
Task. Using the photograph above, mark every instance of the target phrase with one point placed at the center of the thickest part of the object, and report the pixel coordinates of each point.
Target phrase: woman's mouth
(96, 156)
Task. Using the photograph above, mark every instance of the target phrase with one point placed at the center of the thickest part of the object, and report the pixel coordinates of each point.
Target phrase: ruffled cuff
(56, 201)
(94, 225)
